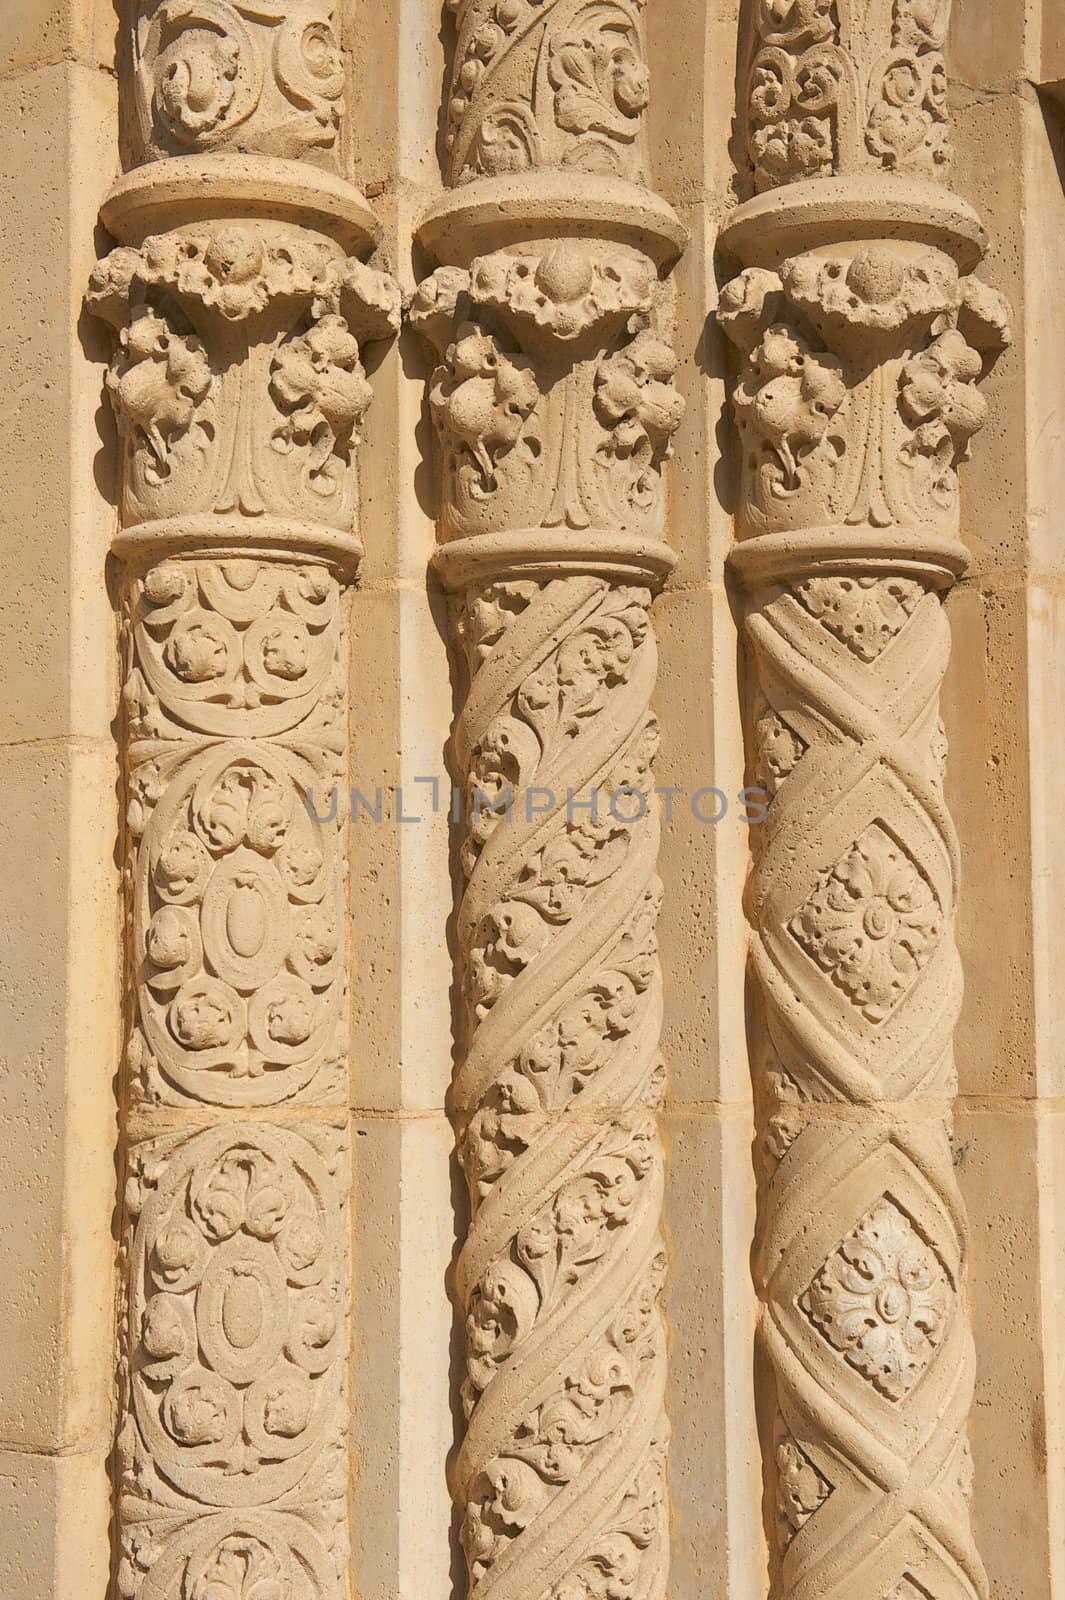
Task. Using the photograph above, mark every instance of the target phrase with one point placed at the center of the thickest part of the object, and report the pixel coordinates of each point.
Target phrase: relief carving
(841, 86)
(215, 75)
(547, 83)
(856, 401)
(554, 406)
(554, 402)
(239, 392)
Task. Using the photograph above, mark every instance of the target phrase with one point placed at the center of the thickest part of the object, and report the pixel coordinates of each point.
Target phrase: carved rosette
(554, 407)
(240, 313)
(861, 343)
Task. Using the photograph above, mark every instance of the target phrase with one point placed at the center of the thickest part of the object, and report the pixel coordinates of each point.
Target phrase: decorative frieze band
(554, 406)
(239, 391)
(861, 343)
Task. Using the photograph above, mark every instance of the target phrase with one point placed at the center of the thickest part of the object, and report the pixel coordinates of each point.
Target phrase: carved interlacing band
(238, 391)
(554, 405)
(861, 346)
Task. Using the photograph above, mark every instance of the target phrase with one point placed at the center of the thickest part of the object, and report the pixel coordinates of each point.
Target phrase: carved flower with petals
(872, 924)
(481, 398)
(882, 1300)
(787, 400)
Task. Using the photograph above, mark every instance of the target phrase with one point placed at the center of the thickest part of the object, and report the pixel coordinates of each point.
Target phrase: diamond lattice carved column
(862, 340)
(240, 300)
(554, 408)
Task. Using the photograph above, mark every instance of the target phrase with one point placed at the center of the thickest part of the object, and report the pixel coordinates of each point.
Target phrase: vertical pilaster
(554, 405)
(863, 340)
(240, 302)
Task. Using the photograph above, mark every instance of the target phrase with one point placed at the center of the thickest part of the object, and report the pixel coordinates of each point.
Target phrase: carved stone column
(862, 342)
(554, 406)
(240, 303)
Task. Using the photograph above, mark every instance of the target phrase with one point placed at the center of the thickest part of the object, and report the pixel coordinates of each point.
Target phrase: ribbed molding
(861, 343)
(554, 407)
(240, 302)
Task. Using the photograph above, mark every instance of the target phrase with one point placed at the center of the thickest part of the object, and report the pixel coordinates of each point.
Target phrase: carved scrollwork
(231, 1457)
(838, 86)
(225, 75)
(856, 402)
(239, 392)
(555, 1097)
(547, 83)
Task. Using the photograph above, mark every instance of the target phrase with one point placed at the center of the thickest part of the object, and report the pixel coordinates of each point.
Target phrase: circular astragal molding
(220, 535)
(552, 553)
(915, 552)
(164, 195)
(838, 211)
(491, 213)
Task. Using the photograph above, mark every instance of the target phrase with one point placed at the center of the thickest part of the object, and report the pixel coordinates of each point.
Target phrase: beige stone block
(987, 731)
(53, 1526)
(55, 614)
(715, 1474)
(36, 33)
(58, 1026)
(998, 1163)
(703, 864)
(401, 870)
(405, 1408)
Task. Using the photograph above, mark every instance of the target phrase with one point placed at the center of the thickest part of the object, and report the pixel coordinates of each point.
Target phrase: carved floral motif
(801, 1489)
(224, 74)
(856, 401)
(554, 399)
(882, 1300)
(865, 612)
(555, 1097)
(547, 83)
(217, 415)
(836, 86)
(857, 398)
(872, 923)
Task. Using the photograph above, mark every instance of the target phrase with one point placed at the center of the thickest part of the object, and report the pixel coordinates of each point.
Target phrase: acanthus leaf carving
(555, 398)
(238, 382)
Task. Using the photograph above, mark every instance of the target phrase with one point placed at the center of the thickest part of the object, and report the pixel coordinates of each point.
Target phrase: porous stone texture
(500, 420)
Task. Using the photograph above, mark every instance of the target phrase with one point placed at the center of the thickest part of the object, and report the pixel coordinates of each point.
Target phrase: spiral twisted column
(240, 302)
(862, 341)
(554, 405)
